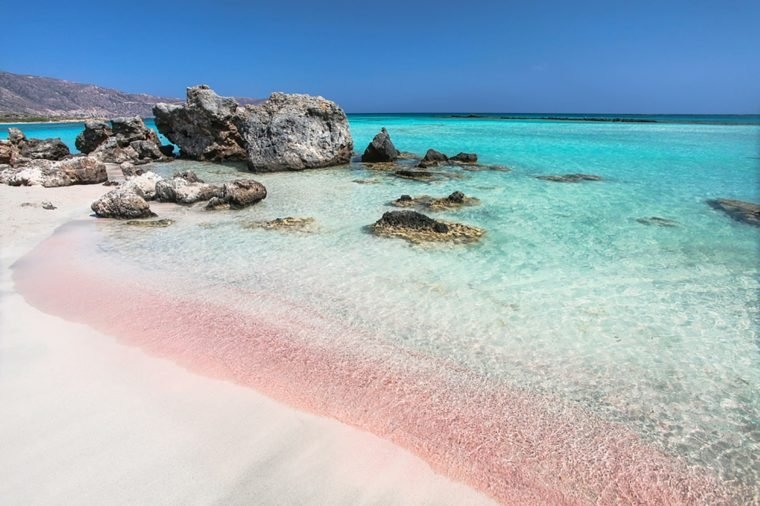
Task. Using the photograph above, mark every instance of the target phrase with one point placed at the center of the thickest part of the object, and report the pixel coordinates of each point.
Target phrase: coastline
(142, 428)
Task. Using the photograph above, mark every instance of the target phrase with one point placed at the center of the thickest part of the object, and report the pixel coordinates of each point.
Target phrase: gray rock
(416, 227)
(570, 178)
(16, 136)
(244, 192)
(186, 190)
(433, 157)
(43, 149)
(465, 158)
(94, 134)
(47, 205)
(81, 170)
(295, 132)
(130, 129)
(122, 204)
(146, 150)
(205, 128)
(381, 149)
(744, 212)
(144, 184)
(8, 153)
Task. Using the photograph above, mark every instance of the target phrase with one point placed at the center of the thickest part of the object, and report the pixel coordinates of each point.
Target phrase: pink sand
(518, 447)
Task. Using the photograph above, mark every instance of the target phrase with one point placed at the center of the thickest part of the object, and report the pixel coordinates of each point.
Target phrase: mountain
(24, 96)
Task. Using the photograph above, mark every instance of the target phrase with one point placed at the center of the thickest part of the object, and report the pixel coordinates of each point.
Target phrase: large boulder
(244, 192)
(205, 128)
(43, 149)
(123, 204)
(8, 153)
(143, 184)
(94, 134)
(295, 132)
(130, 129)
(81, 170)
(381, 149)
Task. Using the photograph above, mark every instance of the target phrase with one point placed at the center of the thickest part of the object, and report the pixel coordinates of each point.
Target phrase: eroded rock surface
(122, 204)
(417, 227)
(570, 178)
(745, 212)
(380, 149)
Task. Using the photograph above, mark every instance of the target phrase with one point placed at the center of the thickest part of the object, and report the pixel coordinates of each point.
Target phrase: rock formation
(186, 188)
(47, 173)
(432, 158)
(570, 178)
(454, 201)
(205, 128)
(122, 204)
(18, 150)
(380, 149)
(745, 212)
(416, 227)
(125, 140)
(285, 132)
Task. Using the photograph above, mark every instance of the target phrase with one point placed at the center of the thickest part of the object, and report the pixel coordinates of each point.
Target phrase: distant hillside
(23, 97)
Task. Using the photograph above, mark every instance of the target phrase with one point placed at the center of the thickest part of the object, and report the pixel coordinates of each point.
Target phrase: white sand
(87, 420)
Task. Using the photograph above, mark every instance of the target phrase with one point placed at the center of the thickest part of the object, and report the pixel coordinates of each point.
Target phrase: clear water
(653, 327)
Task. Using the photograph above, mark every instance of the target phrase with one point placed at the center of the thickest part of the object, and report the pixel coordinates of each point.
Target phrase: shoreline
(605, 456)
(125, 417)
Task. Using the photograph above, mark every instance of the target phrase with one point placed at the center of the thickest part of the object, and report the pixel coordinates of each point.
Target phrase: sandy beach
(89, 420)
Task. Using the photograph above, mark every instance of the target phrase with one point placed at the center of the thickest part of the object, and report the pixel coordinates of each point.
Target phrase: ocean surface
(573, 296)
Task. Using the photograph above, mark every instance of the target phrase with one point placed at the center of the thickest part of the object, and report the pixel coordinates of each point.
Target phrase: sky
(634, 56)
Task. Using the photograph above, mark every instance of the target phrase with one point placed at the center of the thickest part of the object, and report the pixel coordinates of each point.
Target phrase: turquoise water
(568, 294)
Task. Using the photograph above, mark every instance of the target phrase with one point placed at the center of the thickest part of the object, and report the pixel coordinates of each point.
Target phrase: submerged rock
(570, 178)
(287, 223)
(417, 227)
(162, 223)
(657, 221)
(418, 175)
(380, 149)
(744, 212)
(456, 200)
(295, 132)
(122, 204)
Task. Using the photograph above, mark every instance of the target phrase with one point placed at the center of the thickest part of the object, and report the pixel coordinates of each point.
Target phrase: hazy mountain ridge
(25, 95)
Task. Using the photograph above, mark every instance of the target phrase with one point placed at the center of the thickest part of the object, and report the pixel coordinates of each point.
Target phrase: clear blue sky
(688, 56)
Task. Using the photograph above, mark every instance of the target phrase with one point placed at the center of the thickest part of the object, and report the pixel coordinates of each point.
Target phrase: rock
(243, 193)
(82, 170)
(570, 178)
(295, 132)
(744, 212)
(35, 173)
(162, 223)
(129, 129)
(43, 149)
(287, 223)
(432, 158)
(205, 128)
(465, 158)
(146, 150)
(46, 204)
(189, 176)
(453, 201)
(657, 221)
(128, 169)
(122, 204)
(456, 197)
(417, 227)
(8, 153)
(418, 175)
(381, 149)
(16, 136)
(186, 190)
(94, 134)
(143, 184)
(110, 152)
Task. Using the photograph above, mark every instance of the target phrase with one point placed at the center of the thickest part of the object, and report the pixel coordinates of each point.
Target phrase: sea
(617, 317)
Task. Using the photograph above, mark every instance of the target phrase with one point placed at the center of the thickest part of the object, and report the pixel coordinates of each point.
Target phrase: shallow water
(567, 296)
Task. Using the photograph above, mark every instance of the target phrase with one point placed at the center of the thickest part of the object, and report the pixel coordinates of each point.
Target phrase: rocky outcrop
(125, 140)
(205, 128)
(744, 212)
(143, 184)
(287, 223)
(122, 204)
(296, 132)
(432, 158)
(285, 132)
(18, 149)
(380, 149)
(238, 194)
(94, 134)
(47, 173)
(416, 227)
(570, 178)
